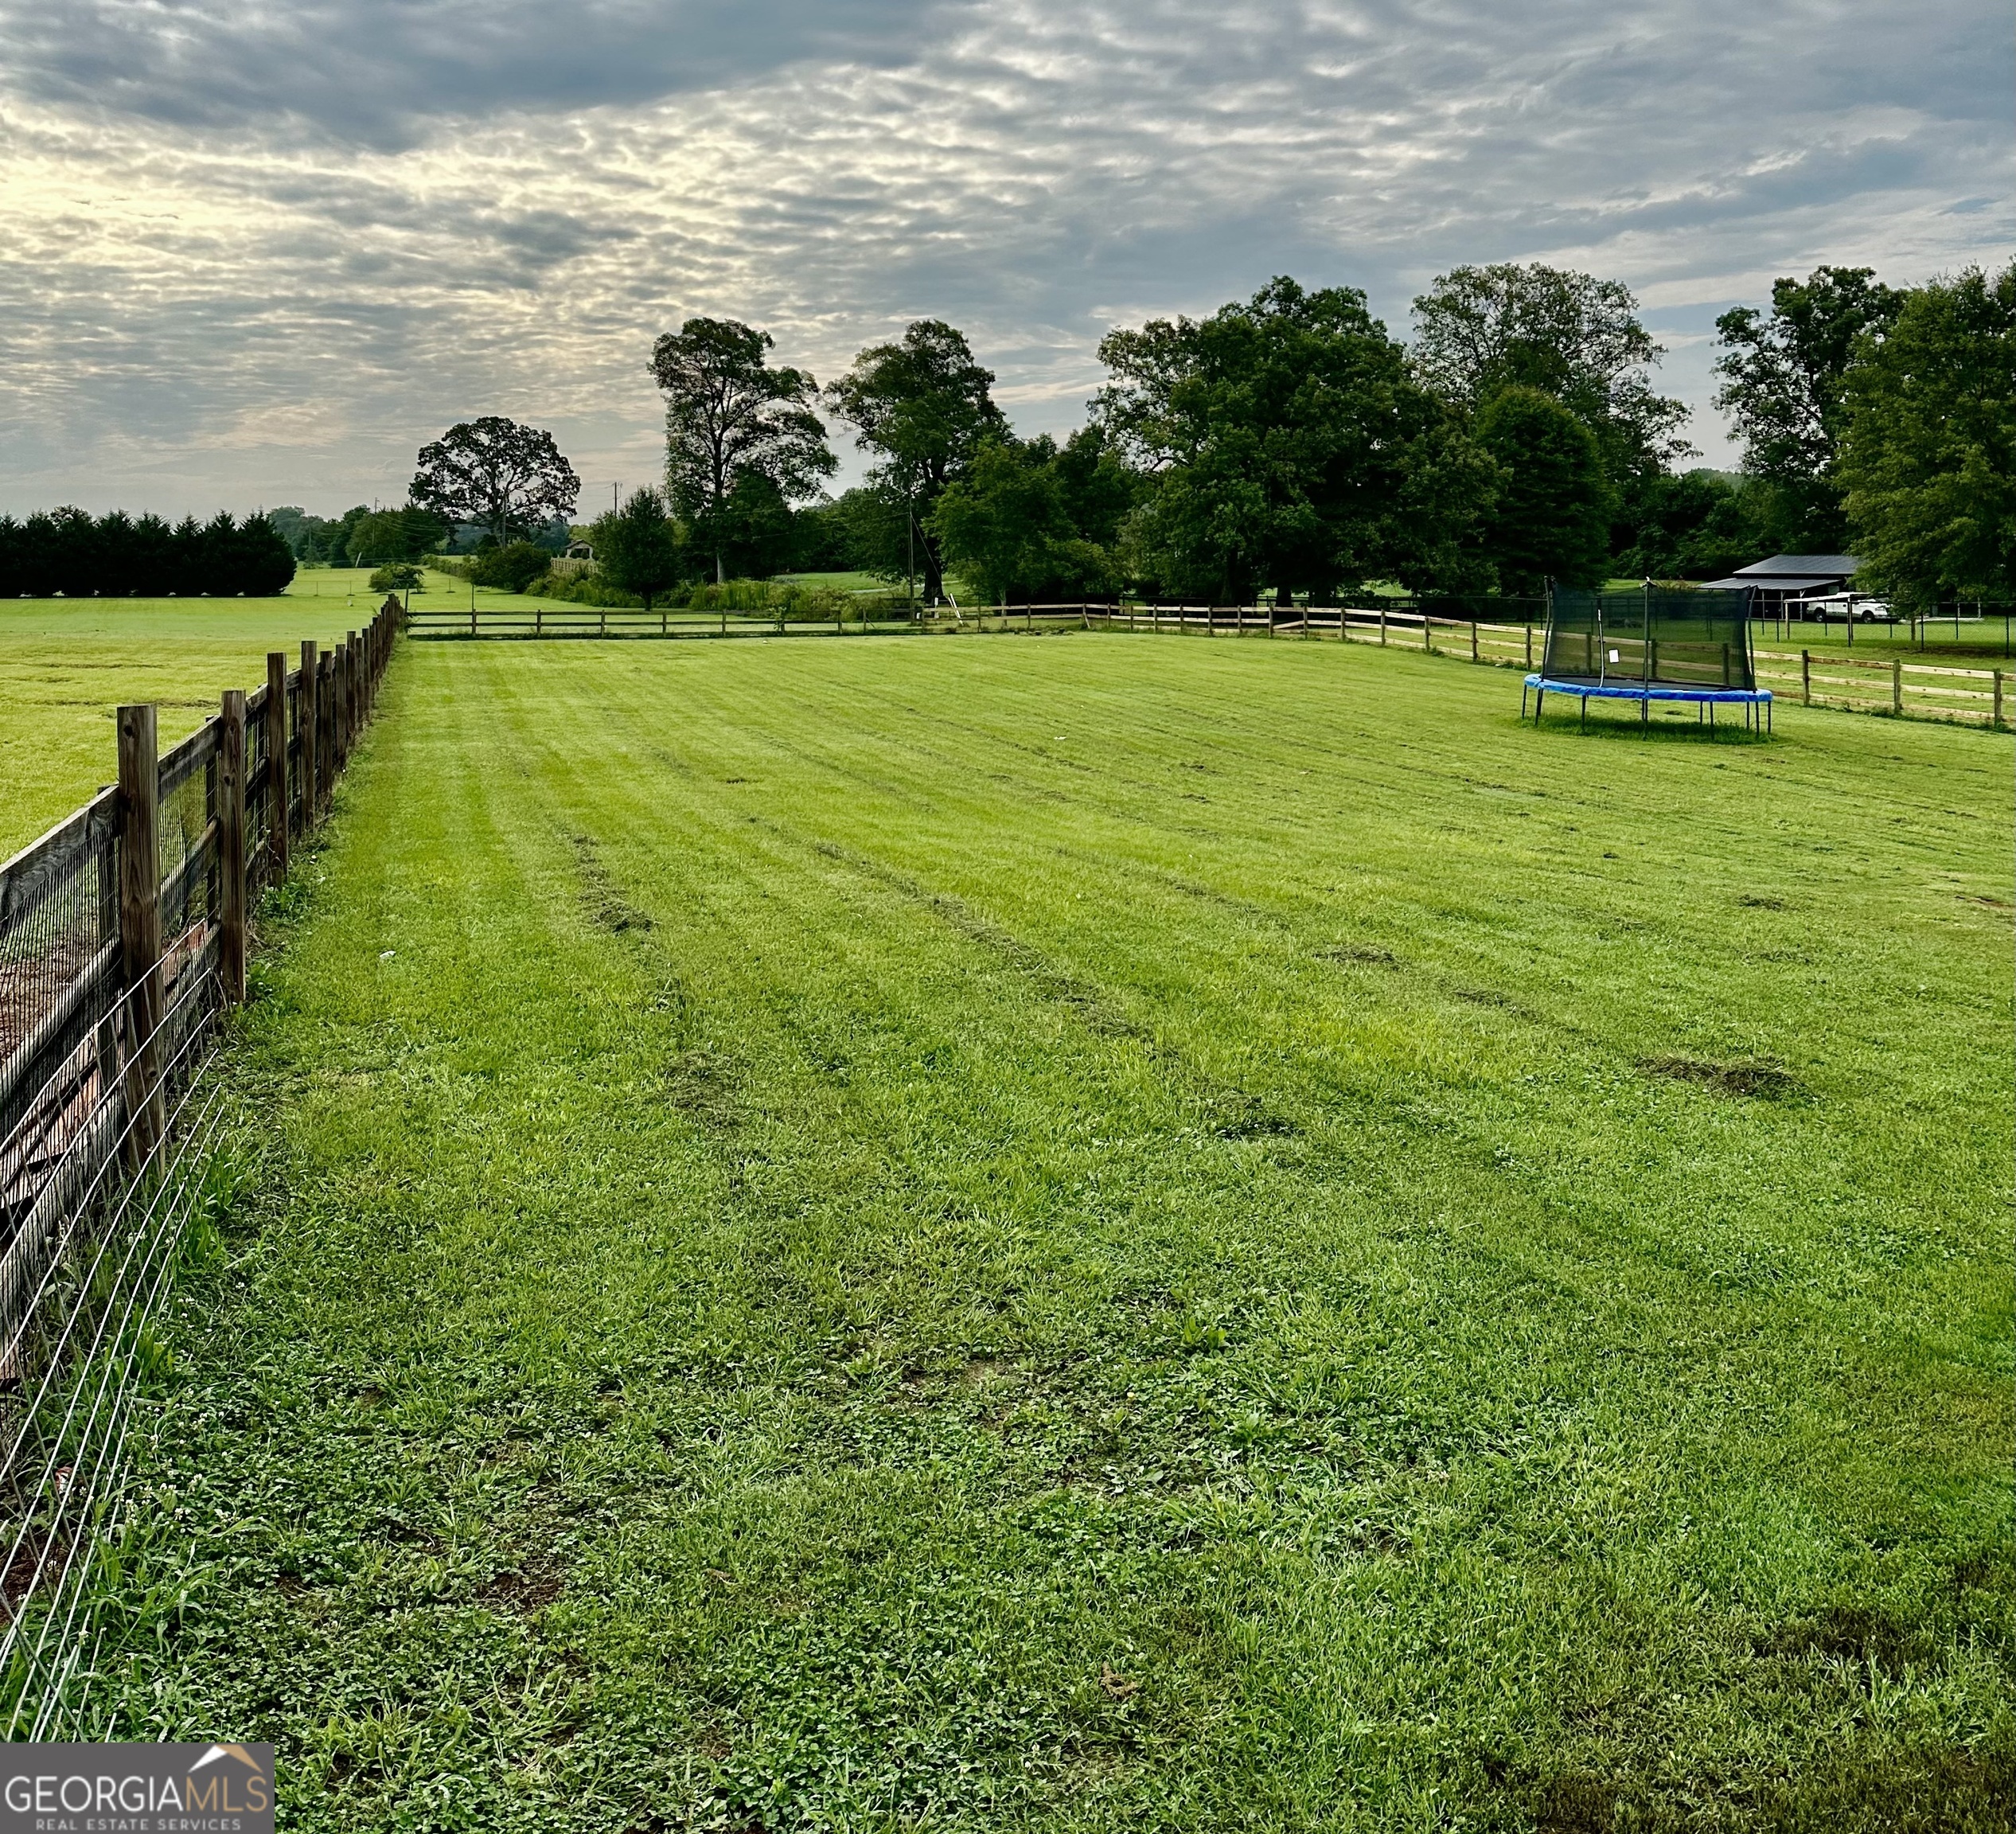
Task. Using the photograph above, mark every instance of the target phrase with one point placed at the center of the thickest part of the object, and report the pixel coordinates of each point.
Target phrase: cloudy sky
(257, 251)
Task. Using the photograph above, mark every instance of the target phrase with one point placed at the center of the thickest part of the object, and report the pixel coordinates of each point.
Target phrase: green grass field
(1095, 1233)
(856, 582)
(65, 664)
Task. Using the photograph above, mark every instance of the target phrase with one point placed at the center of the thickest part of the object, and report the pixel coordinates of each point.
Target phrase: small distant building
(580, 551)
(1784, 579)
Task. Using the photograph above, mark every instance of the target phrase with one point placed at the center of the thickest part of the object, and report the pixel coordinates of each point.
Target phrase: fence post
(1896, 687)
(1528, 643)
(339, 702)
(231, 846)
(276, 766)
(1428, 633)
(139, 804)
(1473, 639)
(1996, 720)
(306, 720)
(325, 731)
(1806, 678)
(1381, 623)
(354, 695)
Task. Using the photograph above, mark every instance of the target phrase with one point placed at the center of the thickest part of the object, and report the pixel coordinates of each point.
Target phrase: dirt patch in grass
(1844, 1634)
(1756, 1078)
(702, 1084)
(1363, 954)
(528, 1588)
(1255, 1123)
(605, 908)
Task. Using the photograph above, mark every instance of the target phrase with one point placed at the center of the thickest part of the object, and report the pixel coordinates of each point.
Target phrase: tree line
(362, 537)
(1290, 444)
(79, 555)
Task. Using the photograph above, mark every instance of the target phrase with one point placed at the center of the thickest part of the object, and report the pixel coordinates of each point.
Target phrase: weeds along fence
(124, 934)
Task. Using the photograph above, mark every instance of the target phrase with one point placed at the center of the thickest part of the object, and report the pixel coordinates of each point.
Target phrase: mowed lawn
(66, 664)
(1100, 1232)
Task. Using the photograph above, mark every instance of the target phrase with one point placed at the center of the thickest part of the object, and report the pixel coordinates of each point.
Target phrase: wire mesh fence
(123, 939)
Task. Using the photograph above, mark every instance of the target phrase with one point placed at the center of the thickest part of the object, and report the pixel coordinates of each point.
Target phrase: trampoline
(1651, 644)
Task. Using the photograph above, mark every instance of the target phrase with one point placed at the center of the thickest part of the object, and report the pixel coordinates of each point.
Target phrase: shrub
(399, 576)
(576, 587)
(515, 566)
(794, 602)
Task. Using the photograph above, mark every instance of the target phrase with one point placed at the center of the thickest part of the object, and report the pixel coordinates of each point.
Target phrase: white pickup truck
(1848, 607)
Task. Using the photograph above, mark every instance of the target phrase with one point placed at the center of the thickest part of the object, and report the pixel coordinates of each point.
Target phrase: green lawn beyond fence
(1095, 1235)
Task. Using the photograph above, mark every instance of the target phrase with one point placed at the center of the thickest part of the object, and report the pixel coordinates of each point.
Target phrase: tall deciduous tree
(1002, 523)
(1574, 337)
(729, 419)
(1699, 525)
(637, 547)
(925, 405)
(1031, 518)
(1929, 457)
(1551, 519)
(1783, 380)
(1289, 447)
(509, 478)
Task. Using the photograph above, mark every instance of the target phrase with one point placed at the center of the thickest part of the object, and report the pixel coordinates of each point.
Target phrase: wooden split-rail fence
(1910, 690)
(123, 937)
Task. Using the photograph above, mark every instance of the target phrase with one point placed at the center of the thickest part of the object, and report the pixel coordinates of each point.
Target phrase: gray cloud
(204, 303)
(379, 70)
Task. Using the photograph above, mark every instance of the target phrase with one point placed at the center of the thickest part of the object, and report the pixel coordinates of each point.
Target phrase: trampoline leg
(1586, 712)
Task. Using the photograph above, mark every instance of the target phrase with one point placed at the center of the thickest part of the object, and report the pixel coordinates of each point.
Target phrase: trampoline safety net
(1697, 639)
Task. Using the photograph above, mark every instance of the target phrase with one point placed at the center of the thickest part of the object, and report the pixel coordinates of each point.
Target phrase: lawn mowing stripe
(838, 1340)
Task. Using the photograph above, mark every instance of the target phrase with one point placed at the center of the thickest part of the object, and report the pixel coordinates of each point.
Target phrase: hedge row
(80, 556)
